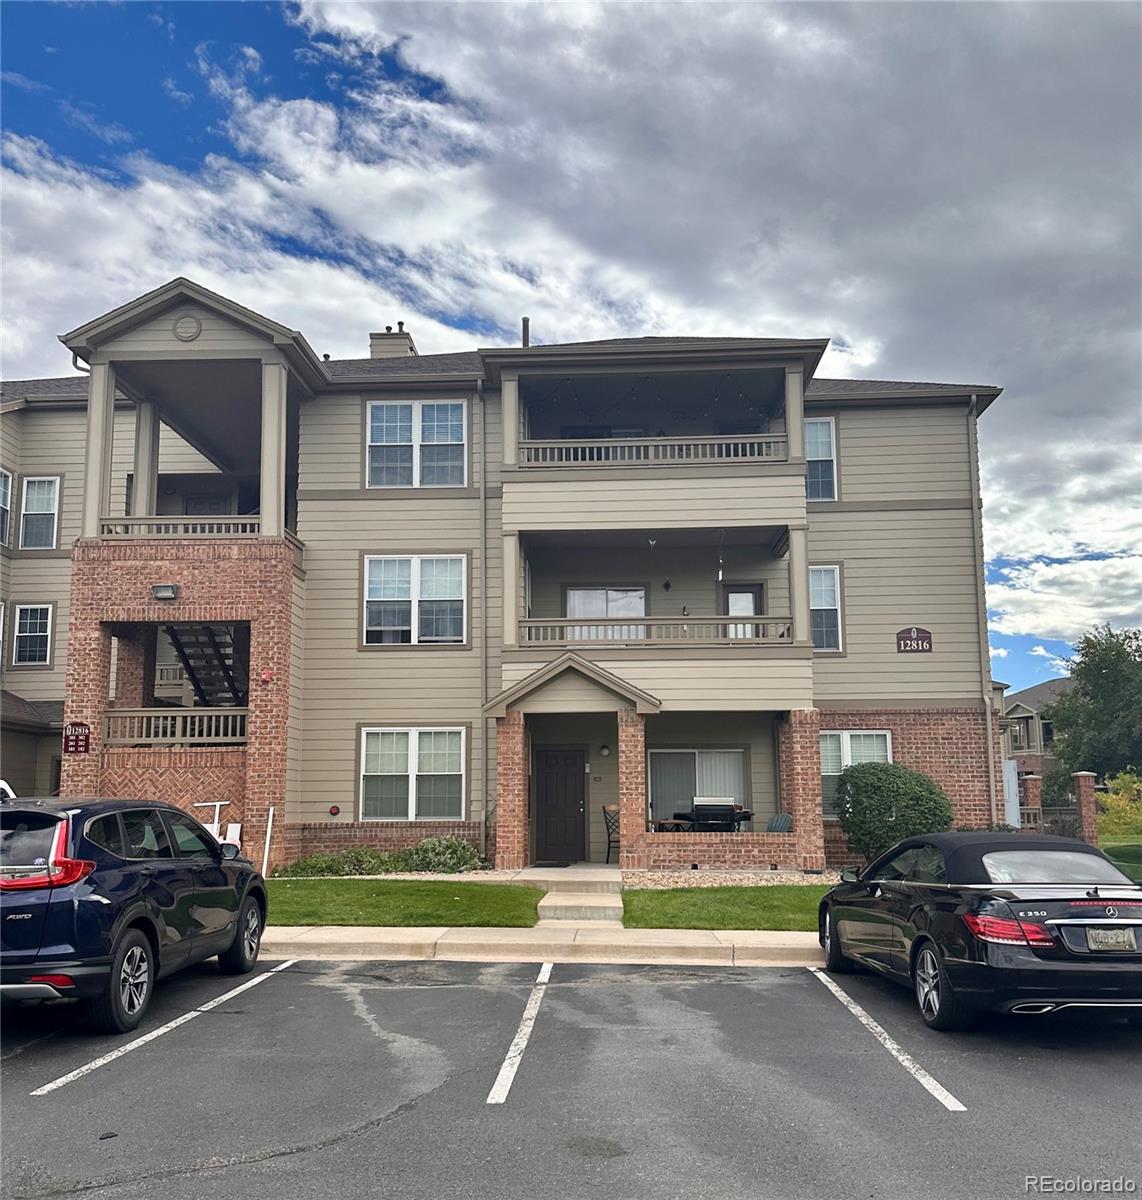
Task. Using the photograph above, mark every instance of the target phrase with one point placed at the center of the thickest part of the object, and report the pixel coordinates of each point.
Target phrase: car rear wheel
(835, 961)
(936, 999)
(127, 995)
(242, 954)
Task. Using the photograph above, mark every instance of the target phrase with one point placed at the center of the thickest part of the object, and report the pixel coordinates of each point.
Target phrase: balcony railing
(176, 727)
(179, 527)
(170, 675)
(656, 631)
(650, 452)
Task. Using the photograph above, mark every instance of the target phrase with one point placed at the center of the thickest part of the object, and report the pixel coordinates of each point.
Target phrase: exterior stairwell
(216, 661)
(580, 894)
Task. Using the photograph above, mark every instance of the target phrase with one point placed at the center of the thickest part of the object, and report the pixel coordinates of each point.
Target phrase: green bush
(440, 855)
(1057, 788)
(1063, 822)
(1120, 808)
(881, 803)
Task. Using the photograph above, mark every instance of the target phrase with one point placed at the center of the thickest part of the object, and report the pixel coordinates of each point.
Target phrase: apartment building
(497, 594)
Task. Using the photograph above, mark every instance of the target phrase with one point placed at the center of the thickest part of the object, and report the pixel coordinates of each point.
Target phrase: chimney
(390, 344)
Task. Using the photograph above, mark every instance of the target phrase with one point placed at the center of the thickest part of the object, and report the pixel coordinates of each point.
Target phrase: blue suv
(101, 898)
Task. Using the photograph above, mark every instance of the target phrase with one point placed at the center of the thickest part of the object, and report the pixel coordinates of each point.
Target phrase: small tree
(881, 803)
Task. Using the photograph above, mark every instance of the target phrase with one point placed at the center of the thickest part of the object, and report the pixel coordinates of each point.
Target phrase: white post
(273, 449)
(100, 431)
(269, 830)
(144, 494)
(795, 411)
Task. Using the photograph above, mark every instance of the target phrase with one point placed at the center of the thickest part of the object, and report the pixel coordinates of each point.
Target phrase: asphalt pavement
(334, 1079)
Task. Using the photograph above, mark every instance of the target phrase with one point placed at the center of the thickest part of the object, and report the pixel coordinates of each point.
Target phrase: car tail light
(57, 981)
(59, 870)
(1008, 932)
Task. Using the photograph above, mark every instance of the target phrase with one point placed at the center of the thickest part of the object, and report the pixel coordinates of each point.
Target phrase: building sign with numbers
(914, 641)
(77, 738)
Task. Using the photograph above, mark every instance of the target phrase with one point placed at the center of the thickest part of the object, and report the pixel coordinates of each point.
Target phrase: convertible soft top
(963, 852)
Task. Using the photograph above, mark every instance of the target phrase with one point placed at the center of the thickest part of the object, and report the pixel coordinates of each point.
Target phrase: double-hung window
(415, 600)
(5, 506)
(32, 635)
(847, 749)
(412, 774)
(825, 607)
(820, 459)
(39, 513)
(417, 443)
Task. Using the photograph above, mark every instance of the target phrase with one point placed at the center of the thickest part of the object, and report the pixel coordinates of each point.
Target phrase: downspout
(480, 407)
(981, 608)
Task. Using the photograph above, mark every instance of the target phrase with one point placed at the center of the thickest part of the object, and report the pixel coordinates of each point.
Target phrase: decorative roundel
(187, 327)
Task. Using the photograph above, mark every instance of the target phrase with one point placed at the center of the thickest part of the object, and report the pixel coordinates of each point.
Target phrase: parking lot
(374, 1079)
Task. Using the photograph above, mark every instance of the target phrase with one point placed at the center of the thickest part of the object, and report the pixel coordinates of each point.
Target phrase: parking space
(374, 1078)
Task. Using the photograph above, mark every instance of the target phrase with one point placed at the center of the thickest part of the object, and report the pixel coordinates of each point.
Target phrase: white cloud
(110, 132)
(176, 93)
(998, 651)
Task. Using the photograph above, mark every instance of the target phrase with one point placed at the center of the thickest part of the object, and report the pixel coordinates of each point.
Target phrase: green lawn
(792, 906)
(1126, 851)
(399, 902)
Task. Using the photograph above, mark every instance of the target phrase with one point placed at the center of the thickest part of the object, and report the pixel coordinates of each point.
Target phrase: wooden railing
(176, 727)
(664, 451)
(170, 675)
(180, 527)
(657, 631)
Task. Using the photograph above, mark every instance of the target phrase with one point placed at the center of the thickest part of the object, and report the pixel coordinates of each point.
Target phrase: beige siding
(900, 569)
(902, 454)
(688, 499)
(36, 581)
(748, 680)
(218, 336)
(19, 768)
(571, 692)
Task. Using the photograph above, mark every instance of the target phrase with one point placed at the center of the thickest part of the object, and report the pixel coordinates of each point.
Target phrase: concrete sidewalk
(561, 941)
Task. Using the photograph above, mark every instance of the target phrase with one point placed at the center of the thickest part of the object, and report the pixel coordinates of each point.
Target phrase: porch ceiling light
(164, 591)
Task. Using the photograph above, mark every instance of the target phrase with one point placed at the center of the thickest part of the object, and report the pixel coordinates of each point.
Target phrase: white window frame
(414, 732)
(832, 423)
(415, 598)
(16, 635)
(24, 510)
(846, 750)
(417, 408)
(6, 474)
(836, 570)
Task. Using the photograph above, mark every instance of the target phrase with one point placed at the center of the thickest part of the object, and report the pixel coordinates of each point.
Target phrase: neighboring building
(1027, 737)
(488, 593)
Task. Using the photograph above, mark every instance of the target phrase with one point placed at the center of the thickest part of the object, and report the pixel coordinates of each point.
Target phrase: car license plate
(1111, 939)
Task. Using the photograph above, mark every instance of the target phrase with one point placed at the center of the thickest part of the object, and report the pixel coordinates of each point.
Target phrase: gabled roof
(643, 702)
(42, 715)
(465, 363)
(1040, 695)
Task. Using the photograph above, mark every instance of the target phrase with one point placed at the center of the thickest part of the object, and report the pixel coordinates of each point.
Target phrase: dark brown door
(560, 796)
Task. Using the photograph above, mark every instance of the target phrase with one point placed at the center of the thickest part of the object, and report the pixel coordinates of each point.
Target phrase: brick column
(1087, 805)
(511, 833)
(632, 787)
(135, 667)
(86, 694)
(1031, 799)
(799, 767)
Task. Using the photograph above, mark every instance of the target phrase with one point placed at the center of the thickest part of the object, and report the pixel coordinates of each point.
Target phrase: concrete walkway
(556, 941)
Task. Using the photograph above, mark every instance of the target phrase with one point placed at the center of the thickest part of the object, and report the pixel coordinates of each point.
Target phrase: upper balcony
(678, 448)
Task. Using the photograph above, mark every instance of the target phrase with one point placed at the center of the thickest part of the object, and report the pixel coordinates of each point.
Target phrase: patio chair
(781, 822)
(611, 820)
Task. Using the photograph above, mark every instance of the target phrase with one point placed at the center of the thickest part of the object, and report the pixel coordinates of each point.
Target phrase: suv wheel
(242, 954)
(124, 1000)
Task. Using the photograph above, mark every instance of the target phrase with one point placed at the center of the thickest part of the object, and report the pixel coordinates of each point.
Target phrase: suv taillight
(1008, 932)
(57, 872)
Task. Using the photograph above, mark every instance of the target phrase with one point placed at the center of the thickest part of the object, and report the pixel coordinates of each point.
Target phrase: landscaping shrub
(1057, 788)
(440, 855)
(1120, 808)
(1063, 823)
(881, 803)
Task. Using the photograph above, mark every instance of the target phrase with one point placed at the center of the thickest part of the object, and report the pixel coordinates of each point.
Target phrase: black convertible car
(1001, 922)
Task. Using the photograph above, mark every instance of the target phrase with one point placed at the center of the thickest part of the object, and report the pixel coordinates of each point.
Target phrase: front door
(560, 805)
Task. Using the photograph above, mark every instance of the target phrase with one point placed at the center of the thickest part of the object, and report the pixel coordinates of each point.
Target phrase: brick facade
(512, 833)
(633, 836)
(1031, 802)
(799, 783)
(185, 777)
(1087, 805)
(220, 580)
(312, 837)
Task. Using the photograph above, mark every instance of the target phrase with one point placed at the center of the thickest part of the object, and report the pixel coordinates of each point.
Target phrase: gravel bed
(648, 880)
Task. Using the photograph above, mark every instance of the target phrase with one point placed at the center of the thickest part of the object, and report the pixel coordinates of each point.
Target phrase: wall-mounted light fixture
(605, 750)
(666, 586)
(164, 591)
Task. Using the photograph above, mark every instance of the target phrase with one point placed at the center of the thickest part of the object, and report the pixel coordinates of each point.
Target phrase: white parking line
(891, 1045)
(96, 1063)
(503, 1084)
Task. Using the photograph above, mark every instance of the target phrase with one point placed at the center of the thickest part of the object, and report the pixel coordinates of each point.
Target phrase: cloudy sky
(948, 191)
